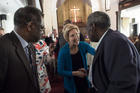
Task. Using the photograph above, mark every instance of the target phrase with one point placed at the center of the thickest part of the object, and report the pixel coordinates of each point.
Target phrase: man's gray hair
(99, 19)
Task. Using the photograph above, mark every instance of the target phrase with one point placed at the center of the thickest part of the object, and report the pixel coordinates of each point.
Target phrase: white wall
(9, 23)
(9, 7)
(111, 12)
(132, 12)
(37, 2)
(96, 5)
(50, 15)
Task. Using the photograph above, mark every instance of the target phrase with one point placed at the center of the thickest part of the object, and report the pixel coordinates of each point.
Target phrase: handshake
(80, 73)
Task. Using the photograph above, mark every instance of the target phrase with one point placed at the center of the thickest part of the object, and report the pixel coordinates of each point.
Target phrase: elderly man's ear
(93, 27)
(29, 26)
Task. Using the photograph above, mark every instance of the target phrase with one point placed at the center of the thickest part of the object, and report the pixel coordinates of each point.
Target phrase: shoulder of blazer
(6, 40)
(14, 39)
(11, 39)
(109, 36)
(83, 45)
(65, 47)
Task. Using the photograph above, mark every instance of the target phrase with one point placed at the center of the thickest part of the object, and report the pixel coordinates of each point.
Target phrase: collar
(101, 40)
(23, 42)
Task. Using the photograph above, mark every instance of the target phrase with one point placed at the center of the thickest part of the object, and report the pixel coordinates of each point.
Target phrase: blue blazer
(65, 64)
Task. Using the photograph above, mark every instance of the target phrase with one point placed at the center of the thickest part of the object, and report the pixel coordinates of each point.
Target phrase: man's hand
(80, 73)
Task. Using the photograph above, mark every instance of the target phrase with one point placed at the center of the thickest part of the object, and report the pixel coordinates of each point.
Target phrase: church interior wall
(8, 7)
(50, 18)
(131, 13)
(97, 5)
(111, 12)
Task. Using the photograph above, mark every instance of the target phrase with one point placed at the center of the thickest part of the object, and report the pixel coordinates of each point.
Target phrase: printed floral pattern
(41, 52)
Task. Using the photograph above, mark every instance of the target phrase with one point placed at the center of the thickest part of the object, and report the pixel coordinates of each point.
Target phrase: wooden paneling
(65, 12)
(123, 4)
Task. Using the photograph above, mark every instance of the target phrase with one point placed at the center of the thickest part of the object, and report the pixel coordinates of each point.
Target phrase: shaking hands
(80, 73)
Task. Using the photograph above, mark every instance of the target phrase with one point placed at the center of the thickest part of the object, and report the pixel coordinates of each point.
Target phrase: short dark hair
(49, 40)
(99, 19)
(26, 14)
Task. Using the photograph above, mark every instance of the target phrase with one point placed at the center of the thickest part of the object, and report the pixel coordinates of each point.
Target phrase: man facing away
(17, 62)
(116, 64)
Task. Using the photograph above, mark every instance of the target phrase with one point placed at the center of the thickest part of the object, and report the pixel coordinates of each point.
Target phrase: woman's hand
(83, 70)
(79, 73)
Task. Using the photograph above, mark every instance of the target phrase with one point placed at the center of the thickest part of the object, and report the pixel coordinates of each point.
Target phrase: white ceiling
(10, 6)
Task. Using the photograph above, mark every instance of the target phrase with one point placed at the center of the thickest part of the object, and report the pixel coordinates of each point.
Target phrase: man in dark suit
(18, 72)
(116, 64)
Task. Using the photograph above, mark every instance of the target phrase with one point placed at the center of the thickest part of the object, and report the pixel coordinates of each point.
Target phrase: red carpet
(57, 85)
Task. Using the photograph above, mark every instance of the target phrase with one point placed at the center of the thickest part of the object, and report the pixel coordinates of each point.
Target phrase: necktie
(29, 54)
(32, 63)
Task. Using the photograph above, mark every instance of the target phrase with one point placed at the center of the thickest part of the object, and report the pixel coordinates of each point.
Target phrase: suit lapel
(96, 56)
(25, 61)
(21, 54)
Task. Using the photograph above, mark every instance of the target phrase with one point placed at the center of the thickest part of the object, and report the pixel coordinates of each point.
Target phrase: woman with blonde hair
(72, 62)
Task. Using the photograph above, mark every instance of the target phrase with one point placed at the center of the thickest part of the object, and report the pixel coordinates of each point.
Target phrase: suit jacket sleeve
(120, 61)
(3, 65)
